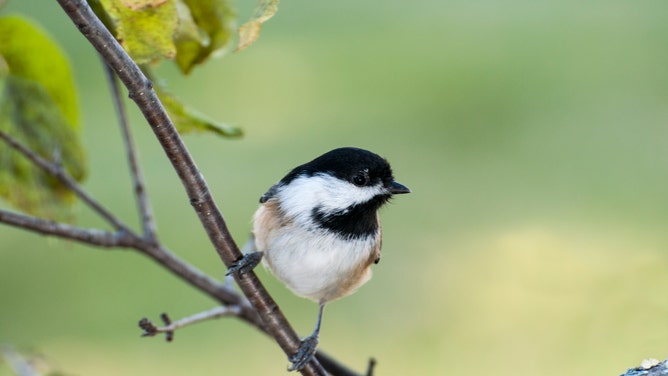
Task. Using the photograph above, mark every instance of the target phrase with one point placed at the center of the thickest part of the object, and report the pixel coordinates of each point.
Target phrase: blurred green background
(534, 136)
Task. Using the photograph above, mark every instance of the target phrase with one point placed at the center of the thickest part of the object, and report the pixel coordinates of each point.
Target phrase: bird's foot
(246, 263)
(304, 353)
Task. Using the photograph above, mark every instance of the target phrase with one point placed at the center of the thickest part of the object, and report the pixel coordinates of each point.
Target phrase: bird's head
(340, 190)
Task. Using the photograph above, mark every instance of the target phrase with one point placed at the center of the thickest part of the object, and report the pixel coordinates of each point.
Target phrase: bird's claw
(245, 264)
(304, 353)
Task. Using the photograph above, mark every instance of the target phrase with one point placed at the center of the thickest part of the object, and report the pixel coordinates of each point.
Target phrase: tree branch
(224, 294)
(95, 237)
(59, 173)
(151, 330)
(143, 203)
(141, 91)
(158, 253)
(124, 237)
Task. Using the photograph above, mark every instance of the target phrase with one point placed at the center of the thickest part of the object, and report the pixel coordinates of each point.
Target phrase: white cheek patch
(327, 192)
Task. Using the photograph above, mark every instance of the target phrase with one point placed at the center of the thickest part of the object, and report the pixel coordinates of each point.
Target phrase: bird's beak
(398, 188)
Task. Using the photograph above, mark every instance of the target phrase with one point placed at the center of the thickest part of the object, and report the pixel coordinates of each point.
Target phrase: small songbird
(318, 231)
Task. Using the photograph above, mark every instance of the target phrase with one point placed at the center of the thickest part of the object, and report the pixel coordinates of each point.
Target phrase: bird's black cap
(357, 166)
(348, 163)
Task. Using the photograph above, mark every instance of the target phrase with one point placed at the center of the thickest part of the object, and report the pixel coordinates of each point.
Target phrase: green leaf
(250, 31)
(187, 31)
(144, 27)
(30, 53)
(38, 107)
(186, 119)
(205, 26)
(189, 120)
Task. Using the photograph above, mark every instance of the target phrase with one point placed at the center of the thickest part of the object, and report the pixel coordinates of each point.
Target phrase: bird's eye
(361, 179)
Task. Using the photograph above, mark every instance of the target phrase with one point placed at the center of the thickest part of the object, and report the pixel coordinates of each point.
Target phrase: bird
(317, 230)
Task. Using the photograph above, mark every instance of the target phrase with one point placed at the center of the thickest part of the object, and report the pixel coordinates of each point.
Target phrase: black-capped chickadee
(318, 231)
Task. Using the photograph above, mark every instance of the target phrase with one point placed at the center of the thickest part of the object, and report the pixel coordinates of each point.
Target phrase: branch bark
(95, 237)
(141, 91)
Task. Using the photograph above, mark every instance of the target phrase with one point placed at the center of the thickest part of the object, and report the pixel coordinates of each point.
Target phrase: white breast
(313, 263)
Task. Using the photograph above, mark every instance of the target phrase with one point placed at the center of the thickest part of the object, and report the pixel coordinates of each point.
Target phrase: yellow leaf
(144, 27)
(250, 31)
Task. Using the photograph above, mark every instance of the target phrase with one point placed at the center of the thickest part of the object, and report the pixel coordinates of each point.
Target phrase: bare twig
(151, 330)
(143, 203)
(191, 275)
(124, 237)
(90, 236)
(59, 173)
(141, 91)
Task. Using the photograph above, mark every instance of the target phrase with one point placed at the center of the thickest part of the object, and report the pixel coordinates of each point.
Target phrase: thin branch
(143, 203)
(124, 237)
(59, 173)
(224, 294)
(141, 91)
(151, 330)
(95, 237)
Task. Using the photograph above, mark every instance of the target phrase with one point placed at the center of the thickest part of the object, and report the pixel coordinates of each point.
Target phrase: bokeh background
(534, 136)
